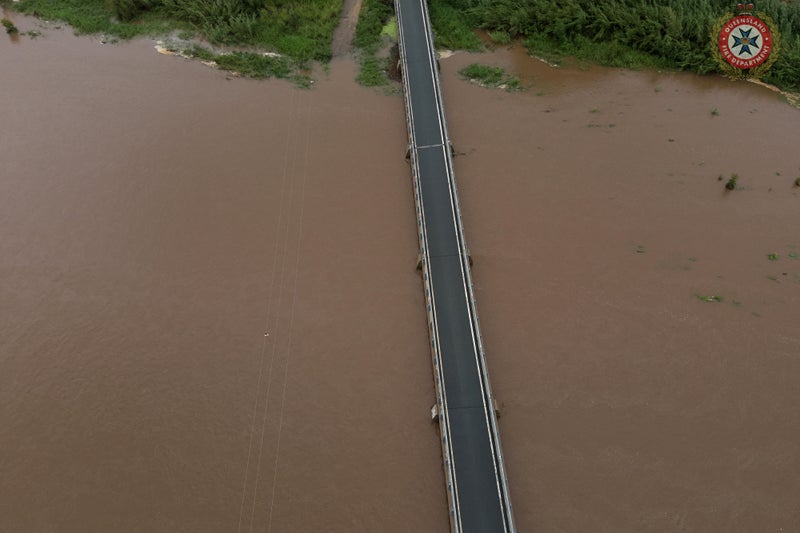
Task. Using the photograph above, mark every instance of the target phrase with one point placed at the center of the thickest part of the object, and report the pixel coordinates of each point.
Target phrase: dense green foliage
(630, 33)
(372, 71)
(453, 26)
(129, 9)
(300, 29)
(96, 16)
(251, 64)
(374, 14)
(368, 38)
(247, 64)
(489, 76)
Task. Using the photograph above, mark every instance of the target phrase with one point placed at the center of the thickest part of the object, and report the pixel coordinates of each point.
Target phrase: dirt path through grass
(343, 36)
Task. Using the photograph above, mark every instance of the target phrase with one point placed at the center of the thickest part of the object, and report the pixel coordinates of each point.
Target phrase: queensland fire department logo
(746, 45)
(745, 41)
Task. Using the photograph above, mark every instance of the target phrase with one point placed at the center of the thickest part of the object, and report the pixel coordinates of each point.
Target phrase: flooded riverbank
(210, 319)
(632, 399)
(209, 314)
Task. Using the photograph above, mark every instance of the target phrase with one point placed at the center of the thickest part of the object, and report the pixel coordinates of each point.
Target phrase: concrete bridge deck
(473, 461)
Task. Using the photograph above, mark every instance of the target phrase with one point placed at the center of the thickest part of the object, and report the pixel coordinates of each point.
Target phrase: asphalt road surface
(481, 500)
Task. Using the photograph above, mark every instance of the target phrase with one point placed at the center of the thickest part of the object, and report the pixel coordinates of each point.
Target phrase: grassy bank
(453, 26)
(250, 64)
(372, 25)
(628, 33)
(300, 30)
(493, 77)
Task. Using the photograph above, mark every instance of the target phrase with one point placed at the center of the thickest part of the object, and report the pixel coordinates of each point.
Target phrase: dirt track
(343, 36)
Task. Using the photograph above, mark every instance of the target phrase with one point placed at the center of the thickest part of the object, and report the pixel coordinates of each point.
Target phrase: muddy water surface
(596, 221)
(209, 315)
(209, 318)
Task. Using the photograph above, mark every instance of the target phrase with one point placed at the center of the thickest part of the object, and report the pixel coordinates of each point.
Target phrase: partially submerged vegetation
(731, 183)
(674, 34)
(9, 26)
(711, 298)
(299, 31)
(495, 77)
(374, 22)
(250, 64)
(99, 16)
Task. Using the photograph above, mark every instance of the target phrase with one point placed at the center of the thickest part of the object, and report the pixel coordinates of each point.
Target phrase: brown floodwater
(210, 319)
(596, 219)
(157, 222)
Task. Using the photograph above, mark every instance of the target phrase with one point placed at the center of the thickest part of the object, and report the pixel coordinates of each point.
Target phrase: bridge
(477, 488)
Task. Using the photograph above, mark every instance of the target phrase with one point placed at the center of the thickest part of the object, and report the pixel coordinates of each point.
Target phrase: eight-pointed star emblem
(745, 41)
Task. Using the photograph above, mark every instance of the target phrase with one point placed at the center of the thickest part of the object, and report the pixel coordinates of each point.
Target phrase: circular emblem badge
(745, 41)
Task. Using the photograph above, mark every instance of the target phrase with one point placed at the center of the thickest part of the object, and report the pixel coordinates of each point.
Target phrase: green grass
(500, 37)
(96, 16)
(372, 72)
(203, 54)
(375, 22)
(390, 29)
(251, 64)
(673, 34)
(454, 26)
(712, 298)
(731, 183)
(374, 15)
(300, 30)
(488, 76)
(254, 65)
(9, 26)
(603, 53)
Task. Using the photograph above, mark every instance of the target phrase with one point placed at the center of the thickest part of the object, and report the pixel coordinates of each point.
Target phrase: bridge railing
(441, 401)
(488, 398)
(497, 449)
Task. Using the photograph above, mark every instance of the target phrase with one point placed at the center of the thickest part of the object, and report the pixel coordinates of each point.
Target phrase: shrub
(667, 33)
(491, 77)
(254, 65)
(500, 37)
(373, 16)
(9, 26)
(129, 9)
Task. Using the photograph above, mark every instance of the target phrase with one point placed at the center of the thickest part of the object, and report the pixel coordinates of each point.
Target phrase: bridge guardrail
(488, 398)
